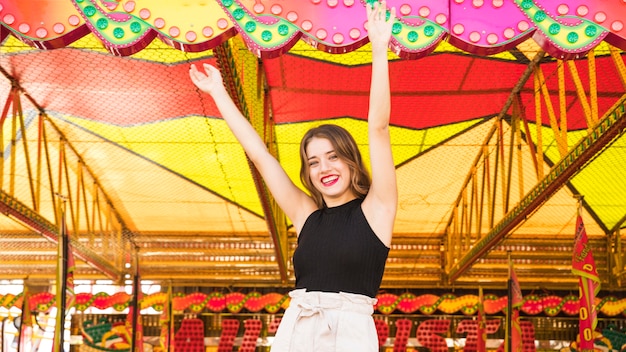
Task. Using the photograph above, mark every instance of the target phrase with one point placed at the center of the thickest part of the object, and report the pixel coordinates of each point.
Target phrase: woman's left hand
(378, 26)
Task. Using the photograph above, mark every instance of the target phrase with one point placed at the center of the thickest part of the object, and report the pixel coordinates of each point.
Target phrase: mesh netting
(149, 170)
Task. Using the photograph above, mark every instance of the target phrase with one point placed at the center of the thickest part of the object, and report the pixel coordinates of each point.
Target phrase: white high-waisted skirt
(326, 321)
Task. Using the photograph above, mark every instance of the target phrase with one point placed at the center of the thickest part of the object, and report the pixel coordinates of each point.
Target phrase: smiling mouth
(330, 180)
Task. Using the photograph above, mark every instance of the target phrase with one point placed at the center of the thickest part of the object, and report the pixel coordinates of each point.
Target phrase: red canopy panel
(427, 92)
(126, 91)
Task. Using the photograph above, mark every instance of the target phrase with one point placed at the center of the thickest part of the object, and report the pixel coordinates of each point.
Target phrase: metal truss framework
(484, 213)
(57, 172)
(58, 177)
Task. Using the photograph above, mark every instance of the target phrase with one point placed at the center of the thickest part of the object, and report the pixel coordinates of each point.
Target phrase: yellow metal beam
(611, 126)
(274, 217)
(65, 182)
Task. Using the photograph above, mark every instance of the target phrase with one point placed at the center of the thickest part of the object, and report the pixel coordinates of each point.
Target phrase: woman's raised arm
(296, 204)
(380, 205)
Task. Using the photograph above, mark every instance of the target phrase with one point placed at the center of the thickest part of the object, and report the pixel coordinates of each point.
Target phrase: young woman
(345, 221)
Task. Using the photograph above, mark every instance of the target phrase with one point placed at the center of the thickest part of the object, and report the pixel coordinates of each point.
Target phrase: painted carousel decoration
(102, 335)
(272, 303)
(564, 29)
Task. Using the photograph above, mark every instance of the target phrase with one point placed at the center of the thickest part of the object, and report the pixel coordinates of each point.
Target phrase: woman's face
(328, 173)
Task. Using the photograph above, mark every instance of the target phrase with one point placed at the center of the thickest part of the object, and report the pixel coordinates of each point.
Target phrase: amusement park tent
(507, 125)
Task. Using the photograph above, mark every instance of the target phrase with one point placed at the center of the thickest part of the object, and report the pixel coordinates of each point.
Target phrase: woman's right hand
(208, 81)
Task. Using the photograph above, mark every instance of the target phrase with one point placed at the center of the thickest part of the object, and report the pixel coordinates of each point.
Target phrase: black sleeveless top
(339, 252)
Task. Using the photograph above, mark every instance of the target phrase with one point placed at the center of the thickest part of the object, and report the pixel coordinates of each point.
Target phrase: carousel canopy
(507, 127)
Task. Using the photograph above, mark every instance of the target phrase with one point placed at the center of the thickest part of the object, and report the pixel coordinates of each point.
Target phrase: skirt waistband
(315, 300)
